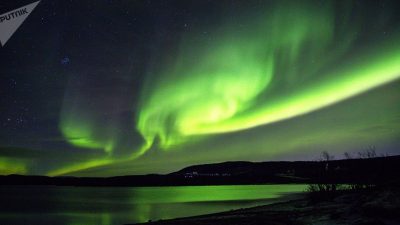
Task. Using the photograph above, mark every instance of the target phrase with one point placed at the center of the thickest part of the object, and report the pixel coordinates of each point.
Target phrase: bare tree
(326, 184)
(347, 155)
(325, 156)
(369, 153)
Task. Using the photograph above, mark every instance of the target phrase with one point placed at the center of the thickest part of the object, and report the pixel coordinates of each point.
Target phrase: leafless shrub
(326, 187)
(369, 153)
(347, 155)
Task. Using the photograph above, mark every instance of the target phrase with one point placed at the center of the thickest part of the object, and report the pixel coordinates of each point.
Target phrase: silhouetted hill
(380, 170)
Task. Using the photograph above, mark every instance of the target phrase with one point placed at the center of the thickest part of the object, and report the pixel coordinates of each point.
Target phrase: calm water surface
(47, 205)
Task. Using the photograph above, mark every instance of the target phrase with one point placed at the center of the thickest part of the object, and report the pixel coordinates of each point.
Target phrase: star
(65, 60)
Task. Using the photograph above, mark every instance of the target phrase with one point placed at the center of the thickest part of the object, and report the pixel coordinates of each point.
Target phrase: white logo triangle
(10, 21)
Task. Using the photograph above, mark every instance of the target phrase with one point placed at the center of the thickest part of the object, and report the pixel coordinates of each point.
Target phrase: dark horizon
(374, 170)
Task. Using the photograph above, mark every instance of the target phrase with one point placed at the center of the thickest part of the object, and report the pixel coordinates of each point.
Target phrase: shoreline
(364, 207)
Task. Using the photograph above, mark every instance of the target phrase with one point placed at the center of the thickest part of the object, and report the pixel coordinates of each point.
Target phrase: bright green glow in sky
(12, 166)
(96, 162)
(281, 68)
(81, 133)
(349, 82)
(266, 66)
(80, 166)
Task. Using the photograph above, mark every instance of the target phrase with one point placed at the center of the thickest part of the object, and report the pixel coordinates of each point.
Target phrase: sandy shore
(366, 208)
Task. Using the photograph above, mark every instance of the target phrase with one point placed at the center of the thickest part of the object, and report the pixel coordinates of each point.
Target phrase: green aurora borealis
(222, 88)
(284, 80)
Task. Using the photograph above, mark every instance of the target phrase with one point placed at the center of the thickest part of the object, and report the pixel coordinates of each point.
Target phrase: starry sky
(105, 88)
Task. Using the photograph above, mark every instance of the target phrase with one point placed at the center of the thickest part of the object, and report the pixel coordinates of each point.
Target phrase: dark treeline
(374, 170)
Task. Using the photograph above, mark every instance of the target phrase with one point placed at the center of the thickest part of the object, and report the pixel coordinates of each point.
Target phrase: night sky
(104, 88)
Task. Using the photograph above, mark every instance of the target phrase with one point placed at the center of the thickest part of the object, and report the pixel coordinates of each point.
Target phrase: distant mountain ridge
(371, 170)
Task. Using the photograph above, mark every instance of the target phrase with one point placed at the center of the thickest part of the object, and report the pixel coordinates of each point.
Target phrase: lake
(45, 205)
